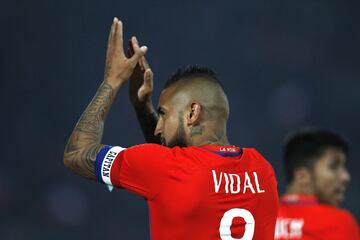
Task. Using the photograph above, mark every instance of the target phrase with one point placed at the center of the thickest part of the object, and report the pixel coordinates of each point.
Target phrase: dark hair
(303, 147)
(192, 71)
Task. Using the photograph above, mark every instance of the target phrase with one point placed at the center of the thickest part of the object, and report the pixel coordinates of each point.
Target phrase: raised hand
(85, 141)
(141, 81)
(118, 67)
(141, 87)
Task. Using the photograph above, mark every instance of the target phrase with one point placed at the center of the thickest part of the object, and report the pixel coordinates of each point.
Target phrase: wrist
(144, 108)
(116, 85)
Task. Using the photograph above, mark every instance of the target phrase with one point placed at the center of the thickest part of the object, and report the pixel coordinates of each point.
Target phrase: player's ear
(302, 175)
(194, 112)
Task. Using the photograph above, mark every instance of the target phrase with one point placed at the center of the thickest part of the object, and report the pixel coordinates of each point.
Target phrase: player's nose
(345, 176)
(158, 129)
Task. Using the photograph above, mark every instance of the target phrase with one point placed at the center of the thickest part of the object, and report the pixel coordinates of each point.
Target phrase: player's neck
(295, 188)
(209, 135)
(211, 142)
(211, 139)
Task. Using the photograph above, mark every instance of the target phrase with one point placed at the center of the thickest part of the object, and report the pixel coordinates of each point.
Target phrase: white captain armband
(104, 162)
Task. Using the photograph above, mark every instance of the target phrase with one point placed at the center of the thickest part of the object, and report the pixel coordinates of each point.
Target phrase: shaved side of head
(199, 84)
(205, 91)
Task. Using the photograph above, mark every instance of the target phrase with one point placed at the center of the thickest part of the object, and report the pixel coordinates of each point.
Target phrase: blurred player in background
(197, 185)
(315, 166)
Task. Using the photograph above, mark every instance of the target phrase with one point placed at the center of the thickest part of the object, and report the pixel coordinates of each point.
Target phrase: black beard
(176, 143)
(179, 140)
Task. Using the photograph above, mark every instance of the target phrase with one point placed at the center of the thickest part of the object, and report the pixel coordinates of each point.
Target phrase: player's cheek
(324, 184)
(330, 187)
(170, 127)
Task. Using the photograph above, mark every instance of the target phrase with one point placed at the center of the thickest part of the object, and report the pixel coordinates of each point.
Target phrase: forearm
(85, 140)
(148, 118)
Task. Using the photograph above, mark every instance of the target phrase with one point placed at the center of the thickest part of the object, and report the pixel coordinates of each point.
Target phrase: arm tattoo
(84, 142)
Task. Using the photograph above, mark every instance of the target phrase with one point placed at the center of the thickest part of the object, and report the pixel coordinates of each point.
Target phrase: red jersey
(200, 193)
(302, 217)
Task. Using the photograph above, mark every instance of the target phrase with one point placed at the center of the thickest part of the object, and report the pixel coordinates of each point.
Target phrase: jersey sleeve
(139, 169)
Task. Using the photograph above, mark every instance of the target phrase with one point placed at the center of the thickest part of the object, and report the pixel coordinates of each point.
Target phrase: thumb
(138, 54)
(148, 79)
(138, 51)
(146, 88)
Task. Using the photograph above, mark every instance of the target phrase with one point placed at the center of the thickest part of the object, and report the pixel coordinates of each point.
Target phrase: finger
(112, 30)
(148, 79)
(110, 38)
(119, 38)
(130, 53)
(146, 88)
(141, 63)
(144, 63)
(138, 51)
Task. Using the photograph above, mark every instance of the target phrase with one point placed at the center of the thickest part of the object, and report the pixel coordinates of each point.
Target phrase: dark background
(284, 64)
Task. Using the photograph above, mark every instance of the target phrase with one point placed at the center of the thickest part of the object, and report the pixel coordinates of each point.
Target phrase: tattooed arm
(85, 141)
(140, 91)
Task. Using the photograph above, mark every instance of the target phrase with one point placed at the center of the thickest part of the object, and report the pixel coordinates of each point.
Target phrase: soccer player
(315, 165)
(197, 185)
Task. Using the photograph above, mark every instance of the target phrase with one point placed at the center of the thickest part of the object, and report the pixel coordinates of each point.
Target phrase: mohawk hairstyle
(305, 146)
(192, 71)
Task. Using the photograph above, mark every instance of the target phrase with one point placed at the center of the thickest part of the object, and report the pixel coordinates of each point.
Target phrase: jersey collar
(301, 199)
(225, 151)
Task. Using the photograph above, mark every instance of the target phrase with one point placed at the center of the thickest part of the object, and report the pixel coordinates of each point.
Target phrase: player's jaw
(170, 127)
(332, 196)
(339, 195)
(178, 139)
